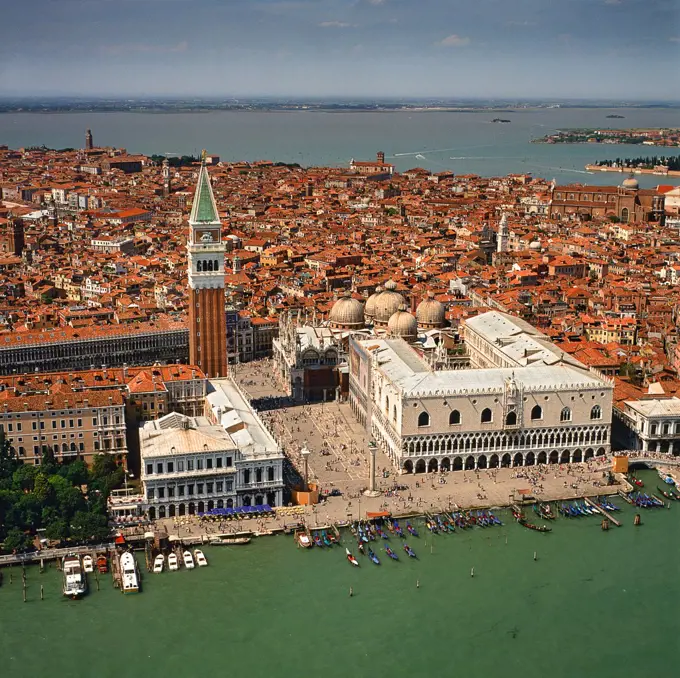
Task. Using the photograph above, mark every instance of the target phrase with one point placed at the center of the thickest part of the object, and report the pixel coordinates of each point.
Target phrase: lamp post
(305, 452)
(372, 491)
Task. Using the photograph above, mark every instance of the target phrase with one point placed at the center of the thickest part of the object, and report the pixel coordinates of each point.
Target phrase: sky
(605, 49)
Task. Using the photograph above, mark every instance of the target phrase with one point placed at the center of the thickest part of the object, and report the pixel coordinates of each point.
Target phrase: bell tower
(166, 178)
(205, 260)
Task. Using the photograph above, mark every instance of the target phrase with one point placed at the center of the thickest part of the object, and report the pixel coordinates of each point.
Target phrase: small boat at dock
(75, 582)
(129, 572)
(226, 541)
(411, 530)
(188, 560)
(88, 563)
(303, 539)
(373, 557)
(173, 562)
(102, 564)
(201, 560)
(351, 558)
(158, 563)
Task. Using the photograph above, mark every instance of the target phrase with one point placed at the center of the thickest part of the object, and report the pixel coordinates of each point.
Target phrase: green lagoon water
(592, 604)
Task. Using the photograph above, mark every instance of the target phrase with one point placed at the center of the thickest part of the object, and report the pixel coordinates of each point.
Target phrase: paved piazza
(338, 459)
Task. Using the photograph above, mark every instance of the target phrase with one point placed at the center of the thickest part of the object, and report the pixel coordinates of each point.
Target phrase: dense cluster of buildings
(469, 321)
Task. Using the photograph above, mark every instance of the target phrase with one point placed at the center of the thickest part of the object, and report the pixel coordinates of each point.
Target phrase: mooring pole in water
(417, 583)
(506, 538)
(472, 572)
(24, 589)
(351, 591)
(42, 592)
(534, 555)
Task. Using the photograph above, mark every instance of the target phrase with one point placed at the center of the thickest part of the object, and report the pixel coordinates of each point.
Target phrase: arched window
(454, 417)
(565, 414)
(258, 475)
(270, 473)
(624, 215)
(536, 412)
(423, 419)
(199, 266)
(209, 265)
(486, 416)
(596, 412)
(511, 419)
(387, 404)
(216, 266)
(394, 414)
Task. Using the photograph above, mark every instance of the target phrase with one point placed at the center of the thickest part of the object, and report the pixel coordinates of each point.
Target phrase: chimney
(86, 402)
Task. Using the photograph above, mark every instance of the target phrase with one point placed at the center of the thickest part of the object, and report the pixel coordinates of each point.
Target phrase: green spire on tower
(204, 208)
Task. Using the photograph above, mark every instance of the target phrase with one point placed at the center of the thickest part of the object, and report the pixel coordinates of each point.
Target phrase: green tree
(57, 530)
(42, 489)
(18, 540)
(87, 526)
(24, 477)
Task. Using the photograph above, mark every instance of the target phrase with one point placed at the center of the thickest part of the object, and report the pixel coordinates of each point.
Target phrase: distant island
(647, 137)
(616, 116)
(500, 120)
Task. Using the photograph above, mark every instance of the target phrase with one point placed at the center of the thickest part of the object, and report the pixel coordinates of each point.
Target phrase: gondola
(351, 558)
(411, 553)
(391, 553)
(537, 528)
(496, 520)
(317, 541)
(411, 530)
(373, 557)
(666, 494)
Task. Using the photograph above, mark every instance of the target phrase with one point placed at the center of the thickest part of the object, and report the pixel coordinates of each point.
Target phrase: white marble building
(649, 425)
(523, 403)
(224, 459)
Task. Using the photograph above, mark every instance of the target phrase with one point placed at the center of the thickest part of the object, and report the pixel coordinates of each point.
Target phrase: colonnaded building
(521, 402)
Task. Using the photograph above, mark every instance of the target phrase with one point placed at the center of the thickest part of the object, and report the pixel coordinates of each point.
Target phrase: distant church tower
(16, 236)
(503, 235)
(88, 140)
(166, 178)
(207, 318)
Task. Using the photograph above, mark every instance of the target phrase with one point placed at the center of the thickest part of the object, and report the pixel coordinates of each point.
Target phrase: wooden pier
(606, 514)
(625, 497)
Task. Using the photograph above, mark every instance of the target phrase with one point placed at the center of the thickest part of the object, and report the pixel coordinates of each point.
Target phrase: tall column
(372, 490)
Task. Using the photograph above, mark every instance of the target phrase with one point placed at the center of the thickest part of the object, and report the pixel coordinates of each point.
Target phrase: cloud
(675, 38)
(454, 40)
(335, 24)
(128, 48)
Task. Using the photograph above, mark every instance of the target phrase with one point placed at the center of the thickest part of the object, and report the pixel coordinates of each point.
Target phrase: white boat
(158, 563)
(173, 564)
(188, 560)
(88, 563)
(226, 541)
(200, 558)
(129, 573)
(75, 582)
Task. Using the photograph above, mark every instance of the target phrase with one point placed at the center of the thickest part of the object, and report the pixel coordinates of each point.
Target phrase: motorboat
(158, 563)
(75, 582)
(129, 573)
(88, 563)
(200, 558)
(102, 564)
(173, 563)
(188, 560)
(303, 540)
(351, 558)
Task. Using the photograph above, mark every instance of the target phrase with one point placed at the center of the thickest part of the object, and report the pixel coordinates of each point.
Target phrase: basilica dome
(430, 312)
(631, 182)
(347, 313)
(387, 304)
(369, 309)
(403, 324)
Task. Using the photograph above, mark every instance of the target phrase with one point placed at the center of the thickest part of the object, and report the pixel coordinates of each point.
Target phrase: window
(199, 488)
(171, 491)
(230, 485)
(151, 493)
(94, 422)
(159, 467)
(511, 419)
(35, 425)
(80, 423)
(190, 464)
(218, 462)
(161, 492)
(454, 417)
(387, 404)
(423, 419)
(199, 464)
(70, 423)
(171, 467)
(149, 469)
(209, 462)
(270, 473)
(229, 461)
(209, 488)
(596, 412)
(54, 423)
(258, 475)
(180, 465)
(565, 414)
(487, 416)
(653, 429)
(190, 489)
(219, 487)
(180, 490)
(246, 476)
(536, 412)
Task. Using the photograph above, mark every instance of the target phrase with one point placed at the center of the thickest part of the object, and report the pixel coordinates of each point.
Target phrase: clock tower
(205, 260)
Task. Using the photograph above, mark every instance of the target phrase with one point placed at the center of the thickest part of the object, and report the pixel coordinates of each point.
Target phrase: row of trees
(648, 162)
(65, 499)
(176, 160)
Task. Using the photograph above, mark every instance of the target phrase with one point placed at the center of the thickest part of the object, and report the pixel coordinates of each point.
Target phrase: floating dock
(606, 514)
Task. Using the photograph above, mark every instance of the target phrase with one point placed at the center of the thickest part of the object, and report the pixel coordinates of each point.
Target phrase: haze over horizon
(597, 49)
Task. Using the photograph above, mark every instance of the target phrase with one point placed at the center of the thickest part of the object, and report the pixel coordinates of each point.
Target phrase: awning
(378, 514)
